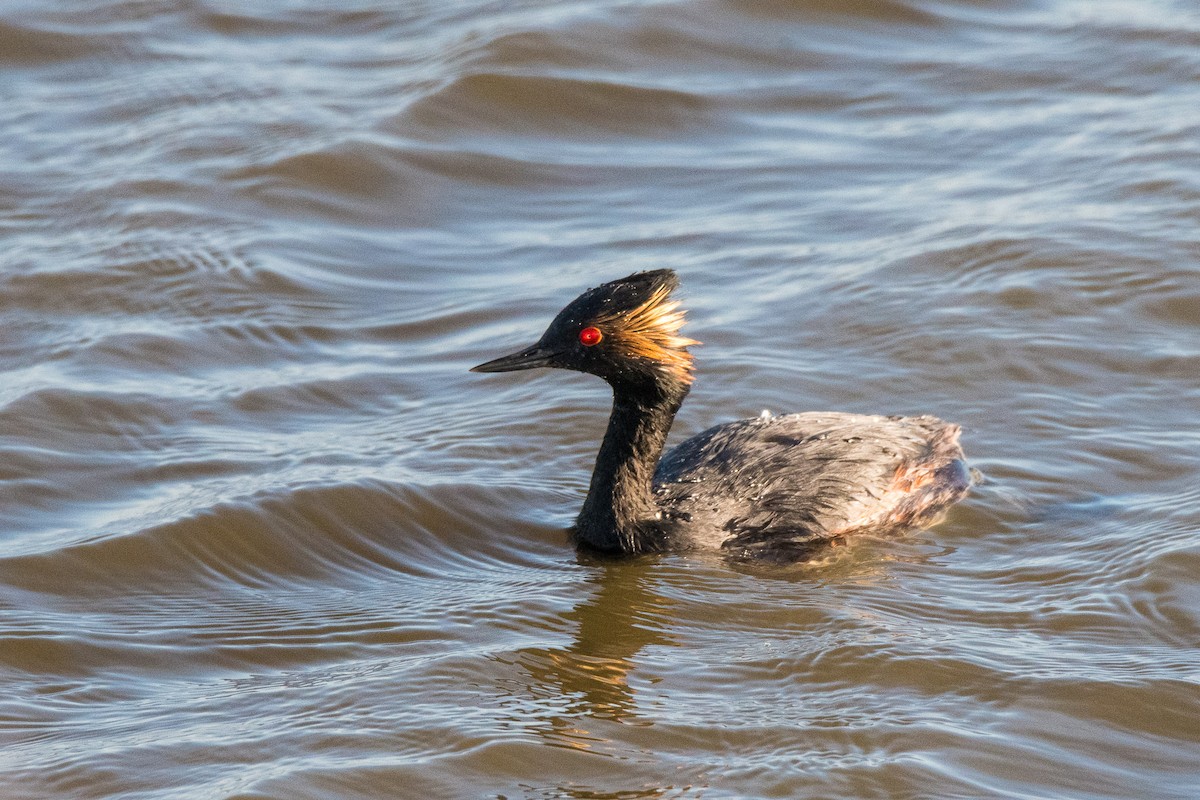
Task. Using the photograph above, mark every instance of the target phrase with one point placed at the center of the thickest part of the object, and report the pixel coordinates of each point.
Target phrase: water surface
(262, 535)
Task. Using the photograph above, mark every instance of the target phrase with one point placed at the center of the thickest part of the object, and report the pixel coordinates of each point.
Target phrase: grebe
(775, 487)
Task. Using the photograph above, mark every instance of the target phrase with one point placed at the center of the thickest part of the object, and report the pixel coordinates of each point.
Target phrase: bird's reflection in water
(588, 680)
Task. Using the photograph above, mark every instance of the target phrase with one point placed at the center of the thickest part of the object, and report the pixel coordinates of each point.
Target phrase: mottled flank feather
(780, 487)
(651, 332)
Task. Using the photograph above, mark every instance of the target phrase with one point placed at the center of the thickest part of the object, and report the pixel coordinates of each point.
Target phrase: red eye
(590, 336)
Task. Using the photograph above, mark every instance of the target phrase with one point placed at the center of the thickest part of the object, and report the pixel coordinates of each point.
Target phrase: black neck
(620, 513)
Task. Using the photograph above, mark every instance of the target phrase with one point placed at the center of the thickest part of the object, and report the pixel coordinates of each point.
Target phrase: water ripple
(265, 536)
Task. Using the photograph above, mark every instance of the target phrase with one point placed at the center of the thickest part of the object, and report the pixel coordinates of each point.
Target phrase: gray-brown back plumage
(798, 481)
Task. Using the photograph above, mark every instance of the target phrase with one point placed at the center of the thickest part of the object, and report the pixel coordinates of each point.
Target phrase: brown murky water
(263, 536)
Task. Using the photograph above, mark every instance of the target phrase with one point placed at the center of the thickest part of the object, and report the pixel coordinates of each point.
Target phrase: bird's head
(625, 331)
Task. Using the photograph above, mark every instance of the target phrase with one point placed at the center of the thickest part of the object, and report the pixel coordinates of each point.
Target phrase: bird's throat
(620, 513)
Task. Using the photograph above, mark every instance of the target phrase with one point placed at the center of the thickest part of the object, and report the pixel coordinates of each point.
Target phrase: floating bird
(779, 488)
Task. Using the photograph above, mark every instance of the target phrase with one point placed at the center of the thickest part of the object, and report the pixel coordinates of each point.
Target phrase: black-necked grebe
(780, 487)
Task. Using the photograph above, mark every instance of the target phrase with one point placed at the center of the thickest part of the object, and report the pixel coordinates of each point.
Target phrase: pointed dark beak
(529, 358)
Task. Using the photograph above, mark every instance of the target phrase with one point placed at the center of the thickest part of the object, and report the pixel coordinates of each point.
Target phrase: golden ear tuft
(651, 331)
